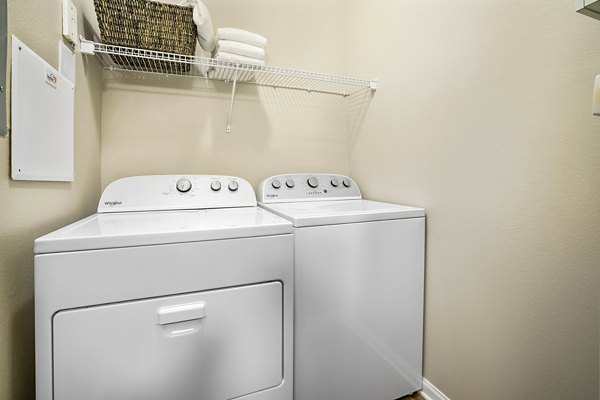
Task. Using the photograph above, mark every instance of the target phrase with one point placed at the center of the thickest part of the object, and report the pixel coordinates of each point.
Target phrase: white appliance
(359, 268)
(178, 288)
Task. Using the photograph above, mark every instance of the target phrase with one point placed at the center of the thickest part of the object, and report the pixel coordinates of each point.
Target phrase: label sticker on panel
(51, 78)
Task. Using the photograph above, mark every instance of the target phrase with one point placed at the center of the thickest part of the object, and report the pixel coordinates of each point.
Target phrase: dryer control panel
(176, 192)
(307, 187)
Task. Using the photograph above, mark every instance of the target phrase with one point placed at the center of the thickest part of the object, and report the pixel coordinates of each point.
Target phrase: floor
(412, 397)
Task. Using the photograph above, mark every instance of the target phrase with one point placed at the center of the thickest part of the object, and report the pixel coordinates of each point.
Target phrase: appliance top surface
(325, 199)
(341, 212)
(166, 209)
(113, 230)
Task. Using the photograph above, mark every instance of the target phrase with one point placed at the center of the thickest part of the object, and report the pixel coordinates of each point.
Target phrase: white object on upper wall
(66, 63)
(591, 8)
(596, 99)
(70, 21)
(204, 26)
(42, 118)
(240, 35)
(88, 16)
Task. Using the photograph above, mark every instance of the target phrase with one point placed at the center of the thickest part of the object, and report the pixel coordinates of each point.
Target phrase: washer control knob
(346, 182)
(290, 183)
(312, 182)
(184, 185)
(215, 186)
(233, 186)
(335, 182)
(276, 184)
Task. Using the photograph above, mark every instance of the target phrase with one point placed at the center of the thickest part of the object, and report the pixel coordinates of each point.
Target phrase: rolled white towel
(204, 26)
(201, 67)
(225, 56)
(242, 49)
(240, 35)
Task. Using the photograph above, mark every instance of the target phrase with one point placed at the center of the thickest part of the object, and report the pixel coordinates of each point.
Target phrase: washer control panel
(176, 192)
(307, 187)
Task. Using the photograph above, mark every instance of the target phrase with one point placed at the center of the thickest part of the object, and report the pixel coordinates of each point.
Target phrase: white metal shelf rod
(235, 79)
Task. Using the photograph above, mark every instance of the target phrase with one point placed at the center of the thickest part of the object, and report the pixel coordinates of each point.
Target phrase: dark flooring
(414, 396)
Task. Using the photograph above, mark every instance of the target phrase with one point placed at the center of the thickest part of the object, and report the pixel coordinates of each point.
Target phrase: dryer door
(219, 344)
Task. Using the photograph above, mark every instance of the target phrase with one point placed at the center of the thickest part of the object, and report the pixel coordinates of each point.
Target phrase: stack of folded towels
(238, 45)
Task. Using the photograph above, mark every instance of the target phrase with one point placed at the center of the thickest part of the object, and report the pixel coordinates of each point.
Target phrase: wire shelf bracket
(127, 59)
(235, 78)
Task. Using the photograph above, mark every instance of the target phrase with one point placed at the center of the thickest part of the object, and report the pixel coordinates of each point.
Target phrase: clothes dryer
(359, 268)
(178, 288)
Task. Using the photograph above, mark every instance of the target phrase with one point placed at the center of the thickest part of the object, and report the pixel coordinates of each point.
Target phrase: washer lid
(113, 230)
(341, 212)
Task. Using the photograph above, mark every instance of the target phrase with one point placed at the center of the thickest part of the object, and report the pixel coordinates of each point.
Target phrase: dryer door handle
(180, 313)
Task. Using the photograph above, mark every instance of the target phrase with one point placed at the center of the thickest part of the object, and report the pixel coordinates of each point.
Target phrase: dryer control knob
(184, 185)
(215, 186)
(312, 182)
(276, 184)
(335, 182)
(290, 183)
(233, 186)
(346, 182)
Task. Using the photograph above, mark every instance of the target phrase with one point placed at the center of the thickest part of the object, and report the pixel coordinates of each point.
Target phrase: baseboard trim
(430, 392)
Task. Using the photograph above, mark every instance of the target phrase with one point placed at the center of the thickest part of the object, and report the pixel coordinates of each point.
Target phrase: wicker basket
(147, 25)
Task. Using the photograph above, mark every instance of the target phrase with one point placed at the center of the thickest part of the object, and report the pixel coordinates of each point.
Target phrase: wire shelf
(118, 58)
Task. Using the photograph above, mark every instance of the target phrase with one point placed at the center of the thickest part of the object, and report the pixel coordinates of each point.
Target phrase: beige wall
(30, 209)
(484, 118)
(157, 127)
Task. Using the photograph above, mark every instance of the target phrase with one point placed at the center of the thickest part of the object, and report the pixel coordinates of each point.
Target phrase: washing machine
(359, 269)
(180, 287)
